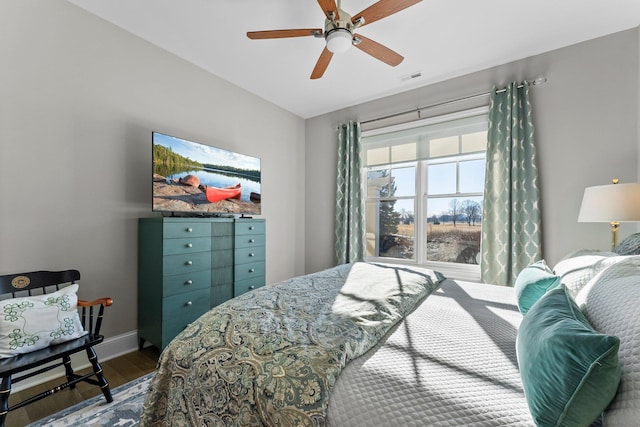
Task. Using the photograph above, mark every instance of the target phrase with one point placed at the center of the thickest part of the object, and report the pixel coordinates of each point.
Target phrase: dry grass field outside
(445, 242)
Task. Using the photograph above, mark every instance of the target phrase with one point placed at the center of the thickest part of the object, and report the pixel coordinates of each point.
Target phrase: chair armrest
(104, 301)
(87, 318)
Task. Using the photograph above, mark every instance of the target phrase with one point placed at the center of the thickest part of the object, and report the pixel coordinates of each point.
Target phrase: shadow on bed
(453, 357)
(501, 332)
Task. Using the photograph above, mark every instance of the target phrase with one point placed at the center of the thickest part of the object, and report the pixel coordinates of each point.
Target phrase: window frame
(454, 270)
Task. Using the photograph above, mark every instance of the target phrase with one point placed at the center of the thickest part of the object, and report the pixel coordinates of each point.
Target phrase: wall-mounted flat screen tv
(191, 178)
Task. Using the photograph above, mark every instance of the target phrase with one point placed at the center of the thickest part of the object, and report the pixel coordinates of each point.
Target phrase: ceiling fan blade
(378, 51)
(278, 34)
(382, 9)
(322, 64)
(329, 6)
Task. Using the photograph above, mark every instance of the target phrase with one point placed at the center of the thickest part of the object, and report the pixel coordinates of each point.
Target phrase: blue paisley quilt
(271, 356)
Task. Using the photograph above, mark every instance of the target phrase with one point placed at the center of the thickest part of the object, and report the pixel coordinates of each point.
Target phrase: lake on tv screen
(220, 180)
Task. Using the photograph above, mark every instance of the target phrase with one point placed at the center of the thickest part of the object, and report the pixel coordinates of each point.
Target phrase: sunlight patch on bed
(380, 293)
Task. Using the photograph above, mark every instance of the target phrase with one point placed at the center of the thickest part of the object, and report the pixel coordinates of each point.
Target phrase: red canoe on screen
(215, 194)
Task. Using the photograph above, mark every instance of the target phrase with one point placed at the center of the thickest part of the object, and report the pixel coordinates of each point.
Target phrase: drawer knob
(252, 287)
(189, 230)
(251, 228)
(251, 270)
(252, 241)
(189, 282)
(252, 254)
(189, 303)
(189, 245)
(189, 262)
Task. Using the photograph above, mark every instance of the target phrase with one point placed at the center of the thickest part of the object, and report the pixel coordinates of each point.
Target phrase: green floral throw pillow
(32, 323)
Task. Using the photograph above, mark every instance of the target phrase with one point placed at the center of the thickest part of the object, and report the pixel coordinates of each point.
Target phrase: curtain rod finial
(540, 80)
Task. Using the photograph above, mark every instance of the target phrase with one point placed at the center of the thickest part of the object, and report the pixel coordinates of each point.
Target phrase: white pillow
(32, 323)
(576, 271)
(610, 302)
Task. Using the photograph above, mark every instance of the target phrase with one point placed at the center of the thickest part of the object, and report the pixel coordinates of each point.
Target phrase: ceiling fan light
(339, 40)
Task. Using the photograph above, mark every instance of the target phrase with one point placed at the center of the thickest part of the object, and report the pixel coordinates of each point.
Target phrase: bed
(391, 345)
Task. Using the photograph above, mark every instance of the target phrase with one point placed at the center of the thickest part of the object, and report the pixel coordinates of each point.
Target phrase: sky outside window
(472, 176)
(405, 180)
(442, 181)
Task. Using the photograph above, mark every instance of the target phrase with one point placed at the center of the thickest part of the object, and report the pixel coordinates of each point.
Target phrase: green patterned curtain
(511, 233)
(349, 213)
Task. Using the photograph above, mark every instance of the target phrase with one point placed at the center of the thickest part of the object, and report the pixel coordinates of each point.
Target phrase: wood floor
(118, 371)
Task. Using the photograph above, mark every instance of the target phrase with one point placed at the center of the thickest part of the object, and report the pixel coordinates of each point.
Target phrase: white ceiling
(440, 39)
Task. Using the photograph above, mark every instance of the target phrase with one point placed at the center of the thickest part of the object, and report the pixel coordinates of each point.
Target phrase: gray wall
(79, 98)
(586, 124)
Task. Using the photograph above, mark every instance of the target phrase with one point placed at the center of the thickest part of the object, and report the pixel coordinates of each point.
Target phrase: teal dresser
(188, 265)
(249, 254)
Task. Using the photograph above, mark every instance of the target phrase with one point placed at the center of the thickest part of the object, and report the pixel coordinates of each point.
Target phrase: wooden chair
(43, 360)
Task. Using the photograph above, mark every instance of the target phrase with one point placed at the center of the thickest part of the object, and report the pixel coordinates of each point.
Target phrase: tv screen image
(199, 179)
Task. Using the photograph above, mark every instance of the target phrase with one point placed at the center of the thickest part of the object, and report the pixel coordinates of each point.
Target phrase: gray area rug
(123, 411)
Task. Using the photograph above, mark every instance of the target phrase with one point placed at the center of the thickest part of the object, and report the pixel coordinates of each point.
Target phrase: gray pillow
(629, 245)
(610, 302)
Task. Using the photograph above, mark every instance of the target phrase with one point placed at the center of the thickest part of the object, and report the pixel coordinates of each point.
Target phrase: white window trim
(451, 270)
(425, 122)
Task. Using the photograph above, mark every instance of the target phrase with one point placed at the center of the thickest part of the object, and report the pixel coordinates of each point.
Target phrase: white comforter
(452, 362)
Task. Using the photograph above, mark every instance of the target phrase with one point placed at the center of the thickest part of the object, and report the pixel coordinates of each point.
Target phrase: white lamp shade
(339, 40)
(614, 202)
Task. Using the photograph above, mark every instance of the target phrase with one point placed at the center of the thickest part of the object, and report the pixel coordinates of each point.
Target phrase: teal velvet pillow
(532, 283)
(570, 372)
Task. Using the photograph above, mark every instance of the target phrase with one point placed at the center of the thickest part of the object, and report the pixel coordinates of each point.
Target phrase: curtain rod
(538, 81)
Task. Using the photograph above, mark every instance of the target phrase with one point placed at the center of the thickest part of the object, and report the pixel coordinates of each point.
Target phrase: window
(424, 188)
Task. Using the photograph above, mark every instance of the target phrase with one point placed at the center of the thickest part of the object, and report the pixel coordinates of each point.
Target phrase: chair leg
(5, 389)
(66, 360)
(97, 369)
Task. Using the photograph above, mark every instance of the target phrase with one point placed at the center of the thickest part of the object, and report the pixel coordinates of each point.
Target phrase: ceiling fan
(339, 34)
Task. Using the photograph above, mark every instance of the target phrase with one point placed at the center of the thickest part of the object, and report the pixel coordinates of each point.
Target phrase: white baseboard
(108, 349)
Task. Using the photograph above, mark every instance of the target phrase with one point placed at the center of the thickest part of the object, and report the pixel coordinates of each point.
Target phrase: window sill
(466, 272)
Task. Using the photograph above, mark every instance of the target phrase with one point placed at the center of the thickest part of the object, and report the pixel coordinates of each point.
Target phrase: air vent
(411, 76)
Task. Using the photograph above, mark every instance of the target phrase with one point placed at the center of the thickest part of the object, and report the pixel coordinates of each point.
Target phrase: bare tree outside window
(454, 210)
(471, 210)
(456, 236)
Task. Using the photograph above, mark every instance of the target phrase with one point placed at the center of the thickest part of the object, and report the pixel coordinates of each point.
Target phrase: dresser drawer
(171, 328)
(187, 282)
(185, 307)
(185, 263)
(250, 254)
(244, 286)
(248, 270)
(174, 230)
(249, 240)
(249, 227)
(186, 245)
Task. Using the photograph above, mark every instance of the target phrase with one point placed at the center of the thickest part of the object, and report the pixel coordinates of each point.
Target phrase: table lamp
(613, 203)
